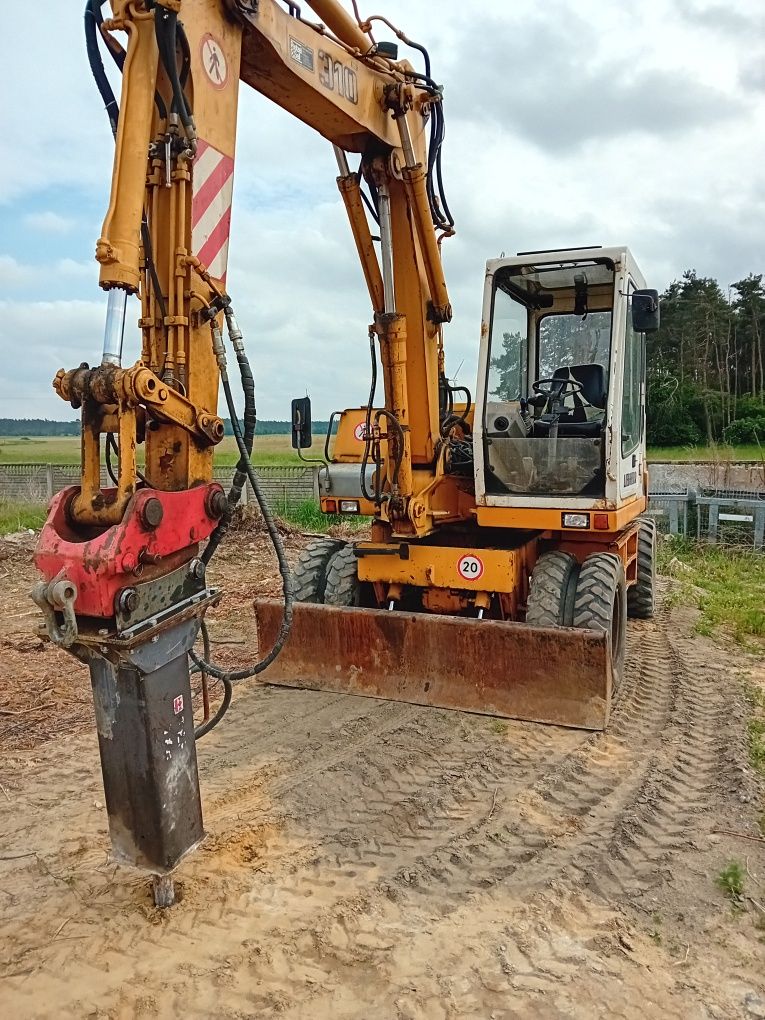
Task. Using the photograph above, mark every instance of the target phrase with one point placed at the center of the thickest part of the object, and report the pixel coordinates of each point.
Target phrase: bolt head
(128, 600)
(216, 504)
(152, 513)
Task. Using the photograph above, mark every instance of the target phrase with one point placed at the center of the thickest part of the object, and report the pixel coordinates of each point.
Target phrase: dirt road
(373, 860)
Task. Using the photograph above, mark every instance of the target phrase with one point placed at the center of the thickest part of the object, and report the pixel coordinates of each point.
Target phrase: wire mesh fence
(285, 487)
(726, 517)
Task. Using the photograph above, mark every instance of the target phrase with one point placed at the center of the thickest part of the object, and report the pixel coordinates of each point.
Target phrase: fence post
(759, 527)
(49, 481)
(315, 472)
(713, 521)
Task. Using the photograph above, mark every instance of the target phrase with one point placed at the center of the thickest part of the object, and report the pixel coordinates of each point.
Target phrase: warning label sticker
(214, 61)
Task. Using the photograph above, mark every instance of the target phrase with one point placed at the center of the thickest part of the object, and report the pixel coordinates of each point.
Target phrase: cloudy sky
(569, 122)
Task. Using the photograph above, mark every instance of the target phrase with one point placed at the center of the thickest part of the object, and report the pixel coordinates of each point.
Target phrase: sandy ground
(373, 860)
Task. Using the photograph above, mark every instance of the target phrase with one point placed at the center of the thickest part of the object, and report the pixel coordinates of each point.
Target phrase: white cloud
(49, 222)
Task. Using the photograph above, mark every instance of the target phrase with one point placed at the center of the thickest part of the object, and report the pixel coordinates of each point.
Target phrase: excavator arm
(123, 559)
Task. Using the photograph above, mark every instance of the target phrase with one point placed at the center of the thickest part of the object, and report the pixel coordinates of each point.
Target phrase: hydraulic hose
(273, 532)
(250, 422)
(168, 33)
(211, 723)
(92, 21)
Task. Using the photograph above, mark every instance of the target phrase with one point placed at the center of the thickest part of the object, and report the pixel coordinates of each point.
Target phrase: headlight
(576, 520)
(349, 506)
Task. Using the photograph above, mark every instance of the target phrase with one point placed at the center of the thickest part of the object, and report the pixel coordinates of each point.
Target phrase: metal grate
(732, 517)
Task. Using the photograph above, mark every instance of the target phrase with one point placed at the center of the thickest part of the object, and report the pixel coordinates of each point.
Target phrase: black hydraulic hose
(468, 397)
(119, 56)
(250, 671)
(250, 423)
(167, 32)
(149, 256)
(368, 203)
(399, 441)
(92, 21)
(111, 444)
(228, 690)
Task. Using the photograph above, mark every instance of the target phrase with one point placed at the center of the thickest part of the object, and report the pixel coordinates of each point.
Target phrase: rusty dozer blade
(559, 676)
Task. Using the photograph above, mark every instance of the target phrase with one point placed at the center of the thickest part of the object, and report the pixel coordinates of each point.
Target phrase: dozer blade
(494, 668)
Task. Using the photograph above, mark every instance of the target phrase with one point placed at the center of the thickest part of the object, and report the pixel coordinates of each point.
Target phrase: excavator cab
(561, 382)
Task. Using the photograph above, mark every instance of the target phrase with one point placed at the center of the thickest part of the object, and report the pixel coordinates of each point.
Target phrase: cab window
(566, 340)
(509, 345)
(632, 411)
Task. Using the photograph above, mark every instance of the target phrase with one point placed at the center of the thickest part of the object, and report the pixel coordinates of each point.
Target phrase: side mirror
(645, 311)
(301, 423)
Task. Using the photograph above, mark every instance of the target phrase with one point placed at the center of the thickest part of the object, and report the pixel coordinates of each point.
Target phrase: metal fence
(718, 516)
(283, 487)
(731, 517)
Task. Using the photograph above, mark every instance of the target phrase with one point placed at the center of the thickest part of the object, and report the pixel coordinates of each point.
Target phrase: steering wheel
(556, 389)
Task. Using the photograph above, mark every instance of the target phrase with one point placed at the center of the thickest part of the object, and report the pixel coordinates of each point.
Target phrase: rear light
(349, 506)
(601, 522)
(330, 506)
(576, 520)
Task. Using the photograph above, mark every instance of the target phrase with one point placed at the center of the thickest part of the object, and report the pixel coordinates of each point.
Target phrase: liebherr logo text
(338, 78)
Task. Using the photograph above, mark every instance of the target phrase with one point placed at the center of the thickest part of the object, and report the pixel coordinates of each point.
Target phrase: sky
(568, 123)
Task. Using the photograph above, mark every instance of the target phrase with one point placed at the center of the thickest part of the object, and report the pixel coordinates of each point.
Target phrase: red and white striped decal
(213, 184)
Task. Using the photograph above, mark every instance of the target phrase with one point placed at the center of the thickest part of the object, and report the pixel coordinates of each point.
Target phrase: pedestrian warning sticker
(214, 61)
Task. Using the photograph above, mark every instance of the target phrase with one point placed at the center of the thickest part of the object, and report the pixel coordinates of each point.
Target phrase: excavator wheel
(601, 604)
(641, 597)
(309, 578)
(343, 587)
(551, 593)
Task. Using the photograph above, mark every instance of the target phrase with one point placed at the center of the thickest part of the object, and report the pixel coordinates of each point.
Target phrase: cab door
(632, 416)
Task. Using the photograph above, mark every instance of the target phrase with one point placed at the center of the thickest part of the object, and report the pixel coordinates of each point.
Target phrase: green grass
(714, 453)
(726, 585)
(731, 880)
(308, 517)
(269, 451)
(277, 451)
(20, 516)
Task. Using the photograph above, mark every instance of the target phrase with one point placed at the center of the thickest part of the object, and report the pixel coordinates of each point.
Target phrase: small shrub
(745, 430)
(731, 880)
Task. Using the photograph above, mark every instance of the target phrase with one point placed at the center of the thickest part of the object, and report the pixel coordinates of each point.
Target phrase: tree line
(706, 365)
(39, 427)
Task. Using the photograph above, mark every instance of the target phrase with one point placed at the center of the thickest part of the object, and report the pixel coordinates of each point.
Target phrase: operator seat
(574, 423)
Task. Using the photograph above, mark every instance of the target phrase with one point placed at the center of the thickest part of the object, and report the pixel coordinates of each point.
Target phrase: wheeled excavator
(508, 541)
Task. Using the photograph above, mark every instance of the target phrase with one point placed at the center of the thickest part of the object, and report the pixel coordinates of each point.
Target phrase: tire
(552, 589)
(343, 587)
(641, 597)
(601, 604)
(309, 578)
